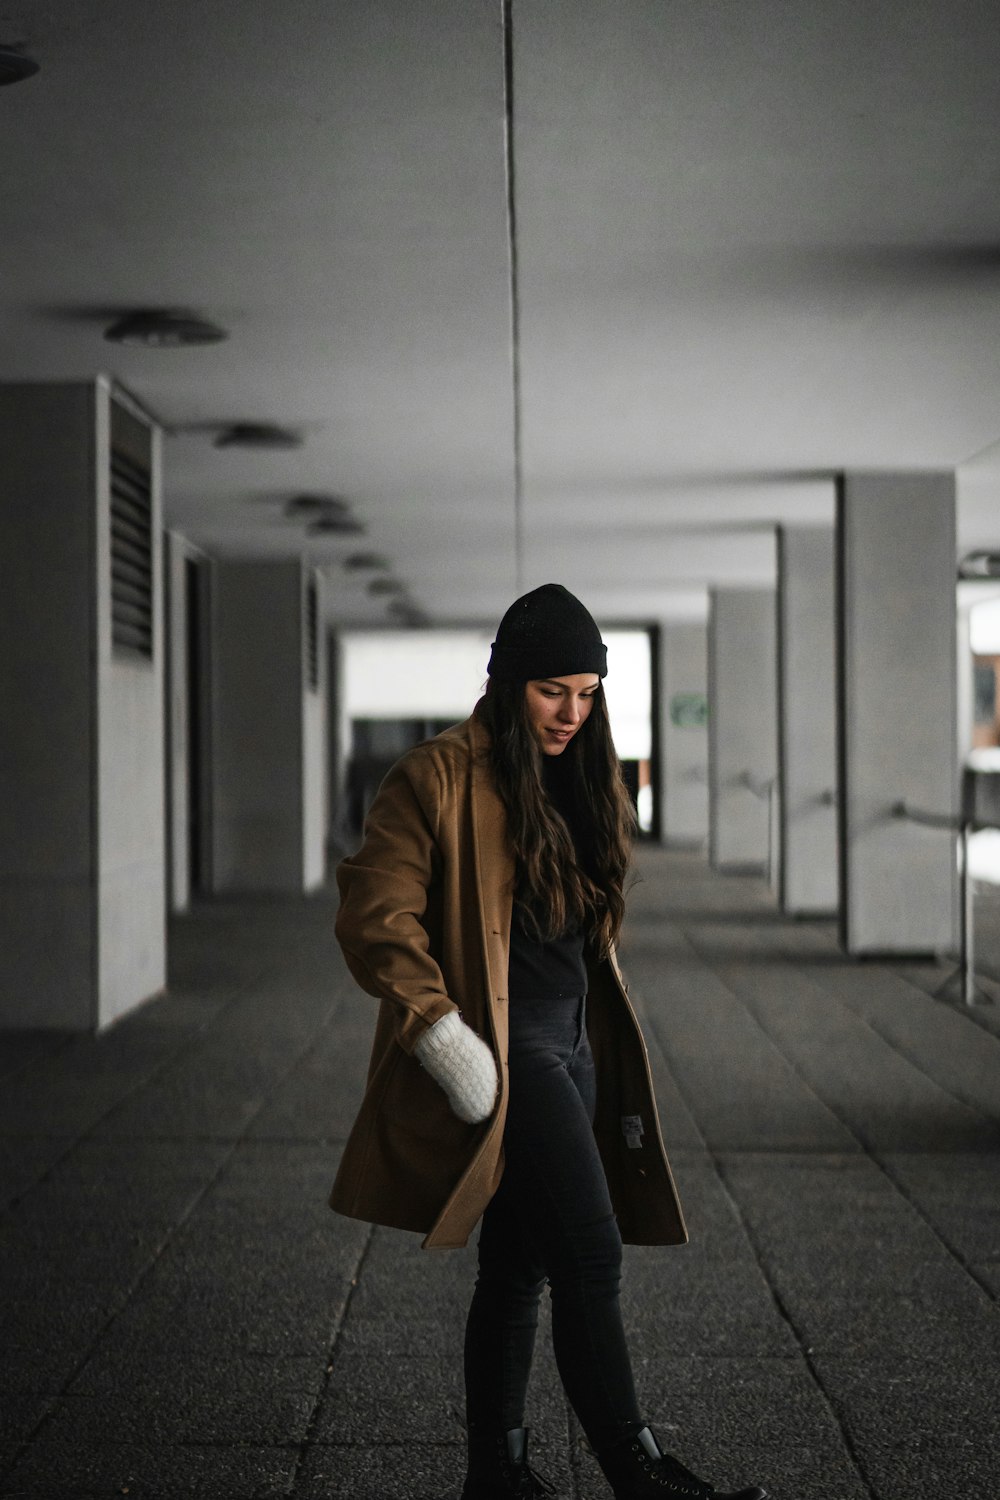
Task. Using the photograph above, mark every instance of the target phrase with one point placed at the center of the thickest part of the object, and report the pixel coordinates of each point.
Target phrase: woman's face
(558, 706)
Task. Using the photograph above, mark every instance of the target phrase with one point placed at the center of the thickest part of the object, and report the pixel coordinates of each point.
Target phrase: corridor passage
(183, 1316)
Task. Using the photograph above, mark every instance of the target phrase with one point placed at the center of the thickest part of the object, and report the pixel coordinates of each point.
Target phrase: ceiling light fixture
(980, 565)
(334, 526)
(163, 328)
(315, 505)
(15, 66)
(361, 562)
(407, 613)
(258, 435)
(328, 515)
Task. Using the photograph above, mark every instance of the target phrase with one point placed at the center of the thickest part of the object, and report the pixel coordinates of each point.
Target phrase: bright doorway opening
(400, 687)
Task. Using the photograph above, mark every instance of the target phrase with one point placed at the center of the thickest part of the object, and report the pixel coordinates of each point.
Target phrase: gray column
(683, 654)
(82, 866)
(807, 751)
(269, 764)
(742, 726)
(897, 709)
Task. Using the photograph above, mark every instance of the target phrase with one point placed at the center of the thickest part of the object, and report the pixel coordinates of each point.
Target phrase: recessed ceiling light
(258, 435)
(14, 66)
(407, 613)
(334, 526)
(316, 505)
(980, 565)
(360, 562)
(163, 329)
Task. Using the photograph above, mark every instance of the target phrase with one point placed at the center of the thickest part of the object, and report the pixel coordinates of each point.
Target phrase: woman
(509, 1080)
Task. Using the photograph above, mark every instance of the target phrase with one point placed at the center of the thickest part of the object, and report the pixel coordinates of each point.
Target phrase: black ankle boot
(638, 1469)
(498, 1468)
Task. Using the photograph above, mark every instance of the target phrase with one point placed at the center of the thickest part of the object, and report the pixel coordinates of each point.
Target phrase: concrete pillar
(807, 751)
(683, 706)
(742, 727)
(82, 866)
(269, 760)
(897, 710)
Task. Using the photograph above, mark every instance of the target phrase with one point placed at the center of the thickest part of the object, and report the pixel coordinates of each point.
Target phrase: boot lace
(672, 1475)
(531, 1485)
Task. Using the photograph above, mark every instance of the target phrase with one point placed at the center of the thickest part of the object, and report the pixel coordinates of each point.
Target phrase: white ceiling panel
(755, 244)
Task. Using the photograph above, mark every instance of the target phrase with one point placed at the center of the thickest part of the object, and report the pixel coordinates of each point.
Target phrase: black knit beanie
(547, 633)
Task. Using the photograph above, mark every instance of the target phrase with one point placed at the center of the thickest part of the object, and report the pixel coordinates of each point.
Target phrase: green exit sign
(689, 710)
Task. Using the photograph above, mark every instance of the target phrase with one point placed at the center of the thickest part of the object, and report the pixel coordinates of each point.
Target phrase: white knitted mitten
(462, 1064)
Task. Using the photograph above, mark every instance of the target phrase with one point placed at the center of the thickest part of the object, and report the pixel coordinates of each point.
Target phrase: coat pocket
(415, 1106)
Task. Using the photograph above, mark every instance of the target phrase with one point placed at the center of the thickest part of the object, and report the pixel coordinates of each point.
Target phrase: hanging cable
(507, 9)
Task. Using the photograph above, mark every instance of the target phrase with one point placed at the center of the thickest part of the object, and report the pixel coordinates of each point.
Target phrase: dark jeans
(551, 1220)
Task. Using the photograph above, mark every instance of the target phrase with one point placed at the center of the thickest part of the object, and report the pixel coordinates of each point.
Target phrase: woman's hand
(462, 1064)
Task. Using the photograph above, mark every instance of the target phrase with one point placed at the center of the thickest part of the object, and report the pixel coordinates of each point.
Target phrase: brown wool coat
(424, 924)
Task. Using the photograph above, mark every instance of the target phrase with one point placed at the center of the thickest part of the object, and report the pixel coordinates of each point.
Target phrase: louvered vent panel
(312, 635)
(131, 554)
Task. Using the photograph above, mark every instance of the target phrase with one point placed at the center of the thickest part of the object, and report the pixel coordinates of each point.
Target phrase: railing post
(767, 791)
(968, 927)
(964, 827)
(773, 834)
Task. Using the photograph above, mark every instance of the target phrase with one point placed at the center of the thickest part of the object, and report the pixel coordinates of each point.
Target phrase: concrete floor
(182, 1315)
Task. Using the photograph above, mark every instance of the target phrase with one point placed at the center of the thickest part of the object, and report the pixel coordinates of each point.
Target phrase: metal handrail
(965, 828)
(761, 789)
(929, 819)
(767, 791)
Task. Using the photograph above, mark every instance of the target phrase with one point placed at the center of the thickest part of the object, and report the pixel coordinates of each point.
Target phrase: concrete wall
(48, 854)
(268, 732)
(897, 710)
(683, 656)
(807, 720)
(132, 952)
(81, 750)
(742, 725)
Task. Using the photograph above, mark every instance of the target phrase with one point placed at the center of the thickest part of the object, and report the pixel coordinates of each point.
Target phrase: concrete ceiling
(754, 244)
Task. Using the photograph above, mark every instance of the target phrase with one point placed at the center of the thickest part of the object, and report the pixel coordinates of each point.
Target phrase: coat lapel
(494, 865)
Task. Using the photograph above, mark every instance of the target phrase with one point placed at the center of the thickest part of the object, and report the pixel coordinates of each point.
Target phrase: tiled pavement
(183, 1316)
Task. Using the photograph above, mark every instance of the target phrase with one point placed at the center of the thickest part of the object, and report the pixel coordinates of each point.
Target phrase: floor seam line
(804, 1349)
(307, 1444)
(898, 1048)
(952, 1250)
(777, 1301)
(137, 1282)
(91, 1131)
(790, 1063)
(872, 1152)
(154, 1260)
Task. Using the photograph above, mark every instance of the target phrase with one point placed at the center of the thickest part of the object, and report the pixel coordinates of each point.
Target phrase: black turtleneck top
(555, 968)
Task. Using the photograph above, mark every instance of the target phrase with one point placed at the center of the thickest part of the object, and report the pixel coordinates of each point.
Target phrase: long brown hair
(561, 891)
